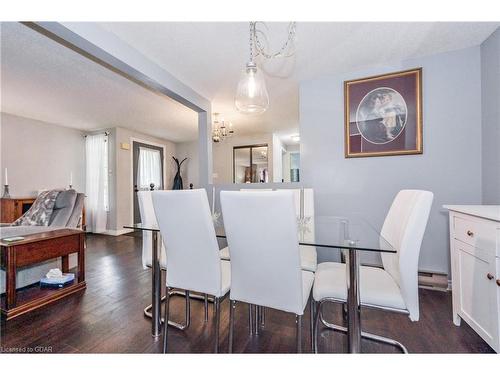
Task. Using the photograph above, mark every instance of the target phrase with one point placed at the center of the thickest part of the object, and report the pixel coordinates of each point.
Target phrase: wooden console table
(33, 249)
(13, 208)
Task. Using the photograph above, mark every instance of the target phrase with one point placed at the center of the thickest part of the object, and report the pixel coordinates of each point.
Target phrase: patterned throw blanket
(41, 210)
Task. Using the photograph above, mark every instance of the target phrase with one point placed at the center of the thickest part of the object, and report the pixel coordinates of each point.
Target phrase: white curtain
(97, 203)
(149, 168)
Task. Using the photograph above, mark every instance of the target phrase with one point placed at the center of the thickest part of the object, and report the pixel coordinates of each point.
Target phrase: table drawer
(480, 233)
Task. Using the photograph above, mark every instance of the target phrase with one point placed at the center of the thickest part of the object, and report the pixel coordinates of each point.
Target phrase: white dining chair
(224, 253)
(148, 218)
(265, 259)
(393, 287)
(308, 254)
(193, 259)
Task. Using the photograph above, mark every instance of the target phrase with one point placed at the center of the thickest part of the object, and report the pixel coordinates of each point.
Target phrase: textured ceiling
(44, 80)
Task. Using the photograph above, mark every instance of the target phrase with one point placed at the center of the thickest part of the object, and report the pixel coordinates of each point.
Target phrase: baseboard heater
(433, 280)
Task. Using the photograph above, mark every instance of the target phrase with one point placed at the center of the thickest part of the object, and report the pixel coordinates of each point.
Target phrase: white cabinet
(475, 267)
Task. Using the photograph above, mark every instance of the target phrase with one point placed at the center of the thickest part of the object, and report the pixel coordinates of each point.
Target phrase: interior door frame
(164, 162)
(251, 147)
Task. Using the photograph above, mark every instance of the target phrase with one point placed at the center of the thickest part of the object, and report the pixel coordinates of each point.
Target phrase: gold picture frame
(387, 111)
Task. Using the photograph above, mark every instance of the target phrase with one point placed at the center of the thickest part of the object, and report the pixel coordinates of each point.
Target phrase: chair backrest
(261, 231)
(148, 217)
(257, 190)
(188, 233)
(63, 208)
(308, 201)
(75, 221)
(404, 228)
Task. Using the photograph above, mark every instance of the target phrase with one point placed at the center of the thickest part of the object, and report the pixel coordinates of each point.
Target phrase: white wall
(490, 84)
(40, 155)
(222, 154)
(450, 166)
(190, 168)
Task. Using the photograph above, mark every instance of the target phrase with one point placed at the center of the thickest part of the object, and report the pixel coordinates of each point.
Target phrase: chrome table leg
(299, 333)
(156, 288)
(353, 305)
(232, 307)
(165, 328)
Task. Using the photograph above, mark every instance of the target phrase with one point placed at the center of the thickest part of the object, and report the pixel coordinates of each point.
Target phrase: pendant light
(251, 94)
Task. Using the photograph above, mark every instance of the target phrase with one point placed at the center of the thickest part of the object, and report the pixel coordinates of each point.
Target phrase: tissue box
(57, 282)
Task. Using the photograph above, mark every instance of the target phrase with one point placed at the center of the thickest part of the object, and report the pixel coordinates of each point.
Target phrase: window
(149, 169)
(97, 184)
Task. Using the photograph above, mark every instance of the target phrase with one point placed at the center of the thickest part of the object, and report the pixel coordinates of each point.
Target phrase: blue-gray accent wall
(450, 166)
(490, 92)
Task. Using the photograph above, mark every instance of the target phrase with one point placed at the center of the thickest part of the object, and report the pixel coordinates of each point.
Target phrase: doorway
(148, 171)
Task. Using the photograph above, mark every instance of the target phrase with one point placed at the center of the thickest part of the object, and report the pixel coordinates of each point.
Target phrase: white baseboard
(117, 232)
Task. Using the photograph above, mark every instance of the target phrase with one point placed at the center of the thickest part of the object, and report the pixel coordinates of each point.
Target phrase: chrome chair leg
(216, 323)
(180, 326)
(263, 316)
(311, 323)
(232, 307)
(250, 319)
(316, 323)
(298, 320)
(366, 335)
(257, 313)
(165, 326)
(206, 307)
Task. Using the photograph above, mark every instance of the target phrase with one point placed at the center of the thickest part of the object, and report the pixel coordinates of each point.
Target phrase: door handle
(135, 189)
(490, 276)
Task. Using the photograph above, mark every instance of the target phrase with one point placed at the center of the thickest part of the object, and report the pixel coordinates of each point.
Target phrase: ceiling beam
(106, 49)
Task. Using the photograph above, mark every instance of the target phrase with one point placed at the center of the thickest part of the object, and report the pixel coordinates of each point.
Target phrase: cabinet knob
(498, 282)
(490, 276)
(470, 233)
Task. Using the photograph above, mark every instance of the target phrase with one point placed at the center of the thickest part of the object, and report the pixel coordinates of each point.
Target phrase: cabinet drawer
(477, 232)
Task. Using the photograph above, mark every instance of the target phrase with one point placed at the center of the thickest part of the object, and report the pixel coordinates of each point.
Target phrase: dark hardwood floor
(108, 318)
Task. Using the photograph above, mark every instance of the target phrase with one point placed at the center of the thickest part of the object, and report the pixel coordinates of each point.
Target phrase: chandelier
(251, 93)
(219, 129)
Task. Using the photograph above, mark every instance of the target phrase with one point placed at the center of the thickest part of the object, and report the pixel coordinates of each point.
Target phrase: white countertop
(486, 211)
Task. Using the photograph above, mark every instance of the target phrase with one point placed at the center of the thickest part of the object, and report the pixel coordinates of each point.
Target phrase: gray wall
(450, 166)
(490, 84)
(190, 168)
(40, 155)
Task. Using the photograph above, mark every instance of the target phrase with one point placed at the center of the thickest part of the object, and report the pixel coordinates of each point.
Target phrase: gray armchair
(67, 210)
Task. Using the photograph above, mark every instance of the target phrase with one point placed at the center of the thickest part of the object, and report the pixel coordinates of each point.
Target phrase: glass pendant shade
(251, 94)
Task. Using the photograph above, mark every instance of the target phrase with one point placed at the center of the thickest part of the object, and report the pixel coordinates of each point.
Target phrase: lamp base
(6, 193)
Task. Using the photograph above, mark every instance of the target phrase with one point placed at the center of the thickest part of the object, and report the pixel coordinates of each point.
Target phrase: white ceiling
(44, 80)
(209, 57)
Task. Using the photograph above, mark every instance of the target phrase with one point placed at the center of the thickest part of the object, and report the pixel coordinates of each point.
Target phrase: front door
(147, 170)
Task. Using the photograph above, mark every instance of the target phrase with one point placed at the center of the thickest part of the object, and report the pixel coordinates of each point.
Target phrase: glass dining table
(351, 234)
